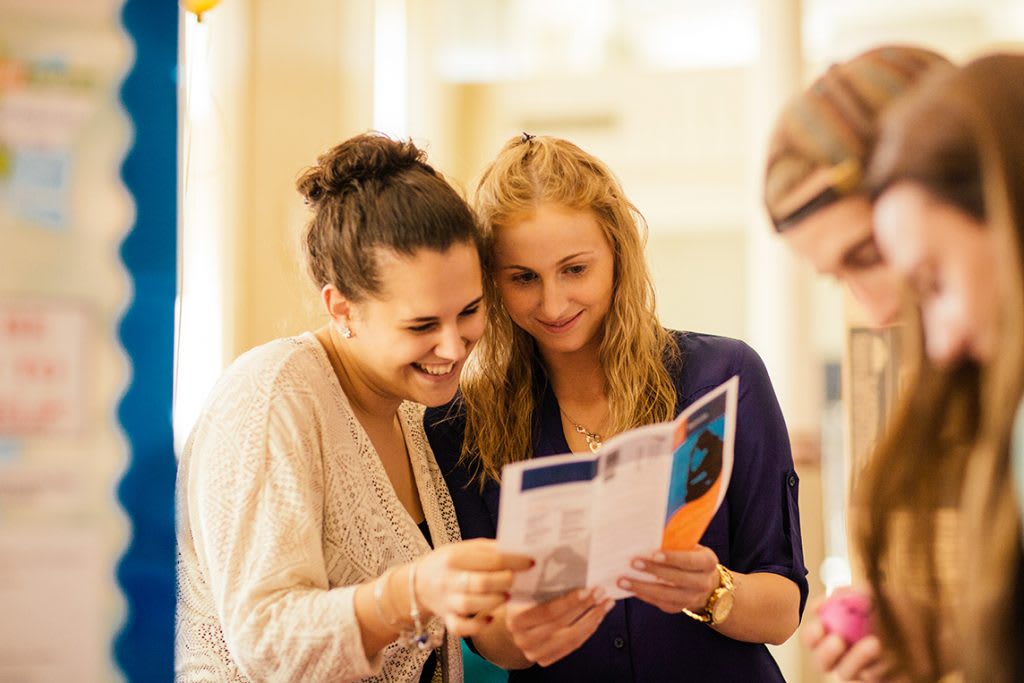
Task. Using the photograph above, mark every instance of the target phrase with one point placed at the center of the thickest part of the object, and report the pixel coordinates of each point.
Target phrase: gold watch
(719, 602)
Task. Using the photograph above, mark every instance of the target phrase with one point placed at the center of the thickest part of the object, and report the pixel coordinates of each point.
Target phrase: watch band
(725, 585)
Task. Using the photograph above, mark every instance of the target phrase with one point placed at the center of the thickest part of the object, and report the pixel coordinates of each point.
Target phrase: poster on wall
(42, 368)
(74, 385)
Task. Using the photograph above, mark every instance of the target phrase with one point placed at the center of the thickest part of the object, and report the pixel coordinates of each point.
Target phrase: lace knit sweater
(283, 507)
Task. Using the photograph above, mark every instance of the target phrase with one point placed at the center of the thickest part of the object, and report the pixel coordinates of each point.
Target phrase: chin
(434, 398)
(570, 344)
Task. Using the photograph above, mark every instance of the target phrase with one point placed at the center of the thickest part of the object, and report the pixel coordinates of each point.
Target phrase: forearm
(383, 608)
(496, 645)
(766, 609)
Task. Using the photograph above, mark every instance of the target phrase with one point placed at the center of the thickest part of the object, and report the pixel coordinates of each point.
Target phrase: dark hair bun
(371, 156)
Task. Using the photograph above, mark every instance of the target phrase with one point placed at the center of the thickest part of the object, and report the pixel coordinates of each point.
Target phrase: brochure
(584, 517)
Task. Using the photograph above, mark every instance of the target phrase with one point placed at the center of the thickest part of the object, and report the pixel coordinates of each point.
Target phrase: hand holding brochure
(584, 517)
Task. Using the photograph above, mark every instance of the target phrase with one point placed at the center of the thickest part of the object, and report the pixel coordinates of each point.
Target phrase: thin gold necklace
(594, 440)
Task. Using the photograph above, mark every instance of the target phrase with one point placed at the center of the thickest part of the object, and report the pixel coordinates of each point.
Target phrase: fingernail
(598, 594)
(608, 606)
(639, 564)
(582, 594)
(659, 557)
(625, 583)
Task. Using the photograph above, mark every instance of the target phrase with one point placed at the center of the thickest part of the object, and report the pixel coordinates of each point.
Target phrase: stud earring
(346, 332)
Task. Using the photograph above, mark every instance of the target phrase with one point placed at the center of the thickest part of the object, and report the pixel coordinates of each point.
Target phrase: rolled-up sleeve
(763, 497)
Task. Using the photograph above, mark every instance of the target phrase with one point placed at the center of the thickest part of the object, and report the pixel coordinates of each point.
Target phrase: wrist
(420, 636)
(416, 589)
(719, 602)
(384, 601)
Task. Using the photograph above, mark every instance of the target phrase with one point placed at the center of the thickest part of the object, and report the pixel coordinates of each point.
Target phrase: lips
(438, 371)
(560, 326)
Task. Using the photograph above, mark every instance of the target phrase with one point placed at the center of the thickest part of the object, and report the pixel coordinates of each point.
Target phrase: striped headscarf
(824, 137)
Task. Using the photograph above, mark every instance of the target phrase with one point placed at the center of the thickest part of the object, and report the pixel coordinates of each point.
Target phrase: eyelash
(575, 270)
(866, 257)
(420, 329)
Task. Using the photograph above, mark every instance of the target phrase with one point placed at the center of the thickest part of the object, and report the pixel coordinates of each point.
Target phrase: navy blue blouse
(757, 529)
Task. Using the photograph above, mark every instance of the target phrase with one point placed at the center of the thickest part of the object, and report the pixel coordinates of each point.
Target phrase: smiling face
(948, 258)
(412, 339)
(837, 240)
(555, 272)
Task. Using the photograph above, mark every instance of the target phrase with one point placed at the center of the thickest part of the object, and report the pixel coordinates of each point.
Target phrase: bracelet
(420, 636)
(378, 596)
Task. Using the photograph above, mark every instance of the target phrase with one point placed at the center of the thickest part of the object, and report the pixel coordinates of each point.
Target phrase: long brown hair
(500, 387)
(948, 447)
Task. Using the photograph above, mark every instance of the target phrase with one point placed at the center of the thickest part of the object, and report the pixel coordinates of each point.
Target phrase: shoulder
(286, 367)
(707, 360)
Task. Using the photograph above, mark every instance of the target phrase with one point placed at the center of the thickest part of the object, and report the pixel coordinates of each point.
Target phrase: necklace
(594, 441)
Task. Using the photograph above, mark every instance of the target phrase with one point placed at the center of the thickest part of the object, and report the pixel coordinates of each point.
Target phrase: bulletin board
(88, 221)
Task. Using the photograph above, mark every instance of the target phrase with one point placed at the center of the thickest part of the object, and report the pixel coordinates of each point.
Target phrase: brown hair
(824, 136)
(959, 138)
(373, 192)
(500, 388)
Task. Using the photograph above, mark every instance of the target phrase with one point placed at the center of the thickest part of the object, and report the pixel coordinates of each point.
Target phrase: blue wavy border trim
(144, 648)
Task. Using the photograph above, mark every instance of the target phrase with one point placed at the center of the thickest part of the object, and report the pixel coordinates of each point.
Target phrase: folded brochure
(584, 517)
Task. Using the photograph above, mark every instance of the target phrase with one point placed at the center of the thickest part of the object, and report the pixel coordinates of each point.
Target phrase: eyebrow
(432, 318)
(570, 257)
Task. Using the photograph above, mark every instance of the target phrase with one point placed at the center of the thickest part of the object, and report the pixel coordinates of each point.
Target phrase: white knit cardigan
(283, 507)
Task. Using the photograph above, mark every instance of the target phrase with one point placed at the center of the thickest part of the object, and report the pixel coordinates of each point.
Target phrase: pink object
(847, 615)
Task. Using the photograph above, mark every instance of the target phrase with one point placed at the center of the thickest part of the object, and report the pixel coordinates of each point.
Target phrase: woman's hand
(464, 582)
(684, 579)
(863, 662)
(549, 631)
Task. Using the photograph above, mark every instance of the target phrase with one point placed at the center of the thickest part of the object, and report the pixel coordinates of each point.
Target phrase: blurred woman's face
(948, 259)
(555, 272)
(837, 240)
(413, 337)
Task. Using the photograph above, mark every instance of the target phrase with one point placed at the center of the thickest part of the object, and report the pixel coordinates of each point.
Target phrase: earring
(346, 332)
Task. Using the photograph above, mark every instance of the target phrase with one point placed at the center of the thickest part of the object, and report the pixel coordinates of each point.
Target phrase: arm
(766, 607)
(255, 510)
(254, 492)
(762, 548)
(461, 582)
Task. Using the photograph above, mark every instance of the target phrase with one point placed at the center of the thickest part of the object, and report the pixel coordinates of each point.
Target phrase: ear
(338, 307)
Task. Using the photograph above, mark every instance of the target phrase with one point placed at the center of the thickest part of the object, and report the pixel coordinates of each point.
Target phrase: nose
(881, 300)
(552, 303)
(451, 345)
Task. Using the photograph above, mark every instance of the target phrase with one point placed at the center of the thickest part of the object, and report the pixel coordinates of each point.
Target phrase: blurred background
(677, 96)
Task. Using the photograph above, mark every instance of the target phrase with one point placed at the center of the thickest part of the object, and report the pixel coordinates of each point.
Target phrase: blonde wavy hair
(502, 384)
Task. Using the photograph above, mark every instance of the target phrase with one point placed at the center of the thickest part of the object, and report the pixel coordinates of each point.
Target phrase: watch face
(723, 605)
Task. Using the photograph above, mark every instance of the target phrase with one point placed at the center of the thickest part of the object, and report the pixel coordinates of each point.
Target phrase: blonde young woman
(574, 354)
(308, 498)
(948, 178)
